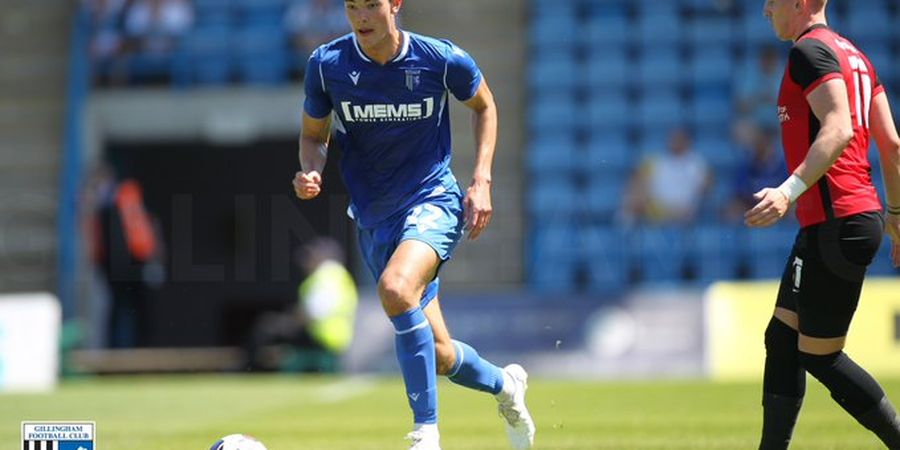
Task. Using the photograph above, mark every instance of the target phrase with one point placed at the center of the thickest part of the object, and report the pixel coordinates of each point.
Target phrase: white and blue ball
(238, 442)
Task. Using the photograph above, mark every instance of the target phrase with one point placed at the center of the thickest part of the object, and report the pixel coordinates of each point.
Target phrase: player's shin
(784, 384)
(414, 344)
(473, 371)
(857, 392)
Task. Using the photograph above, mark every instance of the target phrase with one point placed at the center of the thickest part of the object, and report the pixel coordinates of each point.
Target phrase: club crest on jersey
(412, 78)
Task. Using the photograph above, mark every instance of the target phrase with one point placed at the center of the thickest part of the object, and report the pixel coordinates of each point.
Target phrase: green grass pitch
(325, 413)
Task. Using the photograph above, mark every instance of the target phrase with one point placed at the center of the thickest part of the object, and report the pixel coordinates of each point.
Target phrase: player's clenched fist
(307, 185)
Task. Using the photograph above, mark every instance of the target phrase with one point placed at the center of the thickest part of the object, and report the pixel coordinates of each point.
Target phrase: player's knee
(780, 338)
(445, 357)
(817, 365)
(396, 292)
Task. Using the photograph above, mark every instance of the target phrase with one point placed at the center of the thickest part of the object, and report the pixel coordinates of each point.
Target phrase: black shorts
(823, 276)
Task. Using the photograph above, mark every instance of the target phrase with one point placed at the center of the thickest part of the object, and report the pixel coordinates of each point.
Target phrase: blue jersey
(391, 122)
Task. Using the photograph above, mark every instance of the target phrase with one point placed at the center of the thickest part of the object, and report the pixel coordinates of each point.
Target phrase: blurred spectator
(757, 87)
(153, 28)
(668, 187)
(107, 43)
(762, 166)
(312, 23)
(127, 248)
(321, 322)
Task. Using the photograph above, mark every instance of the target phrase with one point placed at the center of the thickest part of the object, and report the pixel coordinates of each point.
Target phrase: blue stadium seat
(558, 112)
(261, 55)
(708, 6)
(654, 7)
(660, 67)
(213, 7)
(660, 110)
(718, 197)
(605, 259)
(718, 150)
(769, 249)
(605, 8)
(650, 141)
(755, 29)
(205, 57)
(144, 66)
(704, 33)
(554, 32)
(711, 69)
(714, 252)
(662, 253)
(213, 17)
(260, 12)
(710, 111)
(553, 152)
(606, 68)
(605, 31)
(608, 110)
(603, 198)
(869, 22)
(553, 70)
(554, 253)
(881, 58)
(557, 198)
(562, 161)
(609, 151)
(656, 28)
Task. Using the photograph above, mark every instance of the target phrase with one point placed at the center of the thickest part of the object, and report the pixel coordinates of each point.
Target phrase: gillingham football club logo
(58, 435)
(412, 78)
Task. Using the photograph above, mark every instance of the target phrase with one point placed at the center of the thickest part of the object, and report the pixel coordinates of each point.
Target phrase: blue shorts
(437, 220)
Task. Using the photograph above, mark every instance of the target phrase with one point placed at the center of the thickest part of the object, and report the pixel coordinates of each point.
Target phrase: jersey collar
(404, 49)
(811, 28)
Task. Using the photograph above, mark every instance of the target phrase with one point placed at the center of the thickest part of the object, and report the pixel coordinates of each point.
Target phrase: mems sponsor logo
(387, 112)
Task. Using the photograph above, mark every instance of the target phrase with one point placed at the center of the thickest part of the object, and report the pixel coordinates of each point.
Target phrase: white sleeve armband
(793, 187)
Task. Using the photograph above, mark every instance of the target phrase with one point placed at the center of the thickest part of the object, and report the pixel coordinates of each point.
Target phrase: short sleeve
(877, 87)
(813, 63)
(317, 103)
(463, 76)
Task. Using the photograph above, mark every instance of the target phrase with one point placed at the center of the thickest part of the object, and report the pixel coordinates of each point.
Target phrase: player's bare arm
(477, 204)
(830, 105)
(313, 154)
(885, 133)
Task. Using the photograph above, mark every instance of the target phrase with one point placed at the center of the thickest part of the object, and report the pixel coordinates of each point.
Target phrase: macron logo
(354, 76)
(414, 397)
(386, 112)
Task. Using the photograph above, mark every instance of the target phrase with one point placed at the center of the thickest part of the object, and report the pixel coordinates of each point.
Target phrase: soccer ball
(238, 442)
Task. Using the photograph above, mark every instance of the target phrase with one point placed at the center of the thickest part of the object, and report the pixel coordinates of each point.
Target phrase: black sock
(883, 421)
(857, 392)
(779, 417)
(784, 384)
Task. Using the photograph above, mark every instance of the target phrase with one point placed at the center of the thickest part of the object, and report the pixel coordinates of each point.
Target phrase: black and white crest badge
(412, 78)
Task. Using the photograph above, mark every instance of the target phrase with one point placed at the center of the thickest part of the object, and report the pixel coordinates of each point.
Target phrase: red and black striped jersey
(820, 55)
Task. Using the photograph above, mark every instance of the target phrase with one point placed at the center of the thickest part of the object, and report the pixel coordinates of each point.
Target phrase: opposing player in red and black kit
(829, 103)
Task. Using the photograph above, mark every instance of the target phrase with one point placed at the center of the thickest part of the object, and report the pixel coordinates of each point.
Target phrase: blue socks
(414, 344)
(475, 372)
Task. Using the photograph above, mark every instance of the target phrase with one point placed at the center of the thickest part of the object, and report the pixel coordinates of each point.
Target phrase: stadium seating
(615, 76)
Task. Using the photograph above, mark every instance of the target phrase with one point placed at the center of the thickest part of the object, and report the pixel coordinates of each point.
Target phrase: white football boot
(519, 425)
(424, 438)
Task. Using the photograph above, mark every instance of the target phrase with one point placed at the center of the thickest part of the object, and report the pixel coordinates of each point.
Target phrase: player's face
(371, 20)
(782, 14)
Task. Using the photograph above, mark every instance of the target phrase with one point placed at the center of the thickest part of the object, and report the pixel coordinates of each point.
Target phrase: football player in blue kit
(382, 94)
